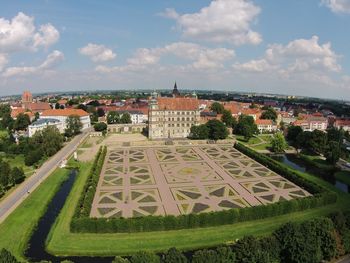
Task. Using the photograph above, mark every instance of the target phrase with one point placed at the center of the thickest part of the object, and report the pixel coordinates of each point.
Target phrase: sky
(292, 47)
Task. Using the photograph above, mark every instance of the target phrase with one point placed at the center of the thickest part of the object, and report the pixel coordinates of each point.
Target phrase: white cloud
(301, 55)
(21, 34)
(201, 58)
(47, 36)
(97, 53)
(51, 61)
(338, 6)
(3, 61)
(223, 21)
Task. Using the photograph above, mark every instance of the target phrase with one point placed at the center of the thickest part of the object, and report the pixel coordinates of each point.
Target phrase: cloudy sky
(294, 47)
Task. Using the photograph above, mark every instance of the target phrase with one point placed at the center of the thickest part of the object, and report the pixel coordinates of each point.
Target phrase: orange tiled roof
(342, 123)
(62, 102)
(178, 103)
(65, 112)
(37, 106)
(264, 122)
(15, 112)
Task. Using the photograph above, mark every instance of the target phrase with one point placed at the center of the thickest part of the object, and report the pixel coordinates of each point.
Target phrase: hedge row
(86, 198)
(83, 223)
(282, 170)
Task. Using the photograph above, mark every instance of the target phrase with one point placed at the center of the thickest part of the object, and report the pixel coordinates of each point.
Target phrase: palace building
(171, 118)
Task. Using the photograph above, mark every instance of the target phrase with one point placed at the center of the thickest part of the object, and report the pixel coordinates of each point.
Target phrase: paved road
(19, 195)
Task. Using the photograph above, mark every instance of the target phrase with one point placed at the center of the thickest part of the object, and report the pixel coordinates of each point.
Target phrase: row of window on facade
(174, 112)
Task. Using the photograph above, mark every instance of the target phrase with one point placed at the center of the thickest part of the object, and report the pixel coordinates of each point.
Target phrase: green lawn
(18, 160)
(316, 161)
(343, 176)
(62, 242)
(259, 142)
(16, 230)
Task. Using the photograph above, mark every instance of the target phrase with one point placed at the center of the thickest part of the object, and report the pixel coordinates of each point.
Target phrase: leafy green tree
(36, 116)
(336, 135)
(278, 143)
(5, 109)
(217, 107)
(174, 256)
(73, 125)
(246, 127)
(205, 255)
(318, 141)
(5, 170)
(293, 132)
(269, 114)
(57, 106)
(227, 118)
(333, 152)
(7, 257)
(33, 157)
(7, 121)
(249, 250)
(49, 140)
(100, 126)
(144, 257)
(225, 255)
(100, 112)
(200, 132)
(118, 259)
(22, 122)
(113, 117)
(126, 118)
(16, 175)
(217, 130)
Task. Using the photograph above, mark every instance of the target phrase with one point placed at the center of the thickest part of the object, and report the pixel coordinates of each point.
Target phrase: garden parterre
(175, 180)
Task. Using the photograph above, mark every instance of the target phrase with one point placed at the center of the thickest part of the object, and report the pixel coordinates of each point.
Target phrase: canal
(298, 164)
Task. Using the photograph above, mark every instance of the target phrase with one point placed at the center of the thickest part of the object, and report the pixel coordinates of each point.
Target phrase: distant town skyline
(283, 47)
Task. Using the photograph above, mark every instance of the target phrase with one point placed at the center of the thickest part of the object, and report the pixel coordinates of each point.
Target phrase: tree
(174, 256)
(36, 116)
(217, 107)
(249, 250)
(205, 255)
(113, 117)
(33, 157)
(126, 118)
(100, 112)
(225, 255)
(269, 114)
(333, 152)
(5, 170)
(293, 132)
(144, 257)
(7, 121)
(16, 175)
(50, 139)
(278, 143)
(246, 127)
(82, 107)
(5, 109)
(217, 130)
(336, 135)
(7, 257)
(100, 126)
(22, 122)
(318, 141)
(57, 106)
(200, 132)
(118, 259)
(73, 125)
(227, 118)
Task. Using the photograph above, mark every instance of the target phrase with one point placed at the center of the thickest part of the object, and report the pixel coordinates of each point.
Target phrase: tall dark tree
(217, 107)
(73, 125)
(333, 152)
(144, 257)
(246, 127)
(174, 256)
(125, 118)
(200, 132)
(269, 114)
(293, 132)
(217, 130)
(205, 255)
(7, 257)
(22, 122)
(227, 118)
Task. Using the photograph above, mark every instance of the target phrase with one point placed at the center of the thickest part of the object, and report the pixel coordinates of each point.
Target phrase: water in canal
(298, 164)
(36, 250)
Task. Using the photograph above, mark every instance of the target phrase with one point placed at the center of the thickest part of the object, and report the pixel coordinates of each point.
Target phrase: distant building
(63, 114)
(36, 106)
(27, 97)
(342, 124)
(41, 124)
(175, 92)
(312, 122)
(172, 117)
(266, 125)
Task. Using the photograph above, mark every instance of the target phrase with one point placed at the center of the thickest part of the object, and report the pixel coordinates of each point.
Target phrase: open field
(171, 180)
(258, 142)
(16, 230)
(62, 242)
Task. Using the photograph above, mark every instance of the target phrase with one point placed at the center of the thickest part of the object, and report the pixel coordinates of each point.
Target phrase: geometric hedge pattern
(142, 181)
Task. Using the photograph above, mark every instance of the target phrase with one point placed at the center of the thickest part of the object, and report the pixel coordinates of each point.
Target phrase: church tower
(175, 92)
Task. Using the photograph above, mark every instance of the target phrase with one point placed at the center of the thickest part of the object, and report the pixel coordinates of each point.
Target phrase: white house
(63, 114)
(40, 124)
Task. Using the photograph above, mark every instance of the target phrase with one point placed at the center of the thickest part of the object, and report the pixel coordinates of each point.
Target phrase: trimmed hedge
(83, 223)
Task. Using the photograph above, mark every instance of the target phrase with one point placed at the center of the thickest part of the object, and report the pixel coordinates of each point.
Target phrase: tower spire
(176, 92)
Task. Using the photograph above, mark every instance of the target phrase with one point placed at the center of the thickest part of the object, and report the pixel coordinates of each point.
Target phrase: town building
(342, 124)
(172, 117)
(312, 122)
(266, 126)
(27, 97)
(63, 114)
(41, 124)
(176, 92)
(135, 115)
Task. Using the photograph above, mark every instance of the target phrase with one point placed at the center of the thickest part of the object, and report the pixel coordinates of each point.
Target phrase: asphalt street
(28, 186)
